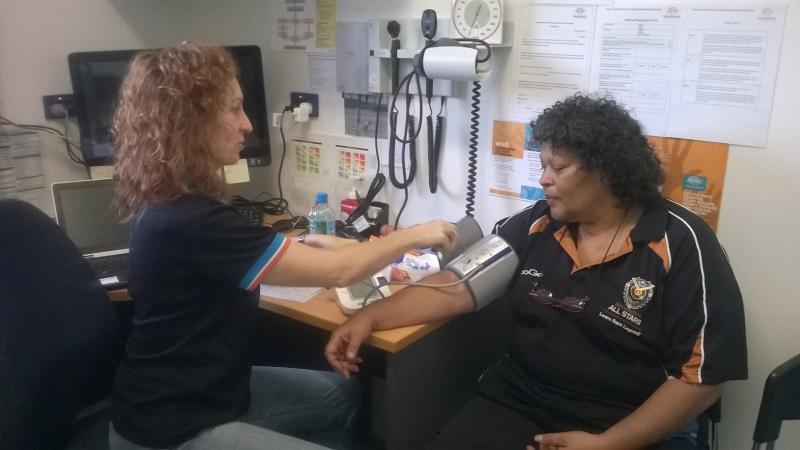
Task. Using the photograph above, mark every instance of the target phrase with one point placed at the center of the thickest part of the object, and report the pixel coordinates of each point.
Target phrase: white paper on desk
(291, 293)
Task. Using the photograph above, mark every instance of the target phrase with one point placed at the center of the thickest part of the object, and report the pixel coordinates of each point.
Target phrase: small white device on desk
(358, 295)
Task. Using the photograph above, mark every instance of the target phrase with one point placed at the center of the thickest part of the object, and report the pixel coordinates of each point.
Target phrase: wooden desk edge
(391, 341)
(388, 340)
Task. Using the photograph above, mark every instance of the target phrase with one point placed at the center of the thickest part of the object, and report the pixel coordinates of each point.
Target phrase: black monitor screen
(97, 76)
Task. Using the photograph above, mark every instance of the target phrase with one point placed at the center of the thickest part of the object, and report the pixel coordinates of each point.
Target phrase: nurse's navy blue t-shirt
(194, 266)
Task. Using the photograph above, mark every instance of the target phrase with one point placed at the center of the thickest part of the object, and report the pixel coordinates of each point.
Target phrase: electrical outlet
(295, 98)
(276, 119)
(50, 101)
(257, 162)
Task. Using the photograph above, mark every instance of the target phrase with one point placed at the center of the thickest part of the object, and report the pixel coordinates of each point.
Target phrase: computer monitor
(84, 211)
(96, 79)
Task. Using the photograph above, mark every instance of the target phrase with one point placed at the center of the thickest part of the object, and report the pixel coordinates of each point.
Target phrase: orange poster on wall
(695, 174)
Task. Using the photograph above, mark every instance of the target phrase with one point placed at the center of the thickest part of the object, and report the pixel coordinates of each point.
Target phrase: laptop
(84, 212)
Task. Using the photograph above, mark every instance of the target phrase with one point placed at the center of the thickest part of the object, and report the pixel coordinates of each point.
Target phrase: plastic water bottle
(321, 219)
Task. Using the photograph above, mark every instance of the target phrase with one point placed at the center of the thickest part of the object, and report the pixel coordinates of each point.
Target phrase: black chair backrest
(59, 333)
(779, 401)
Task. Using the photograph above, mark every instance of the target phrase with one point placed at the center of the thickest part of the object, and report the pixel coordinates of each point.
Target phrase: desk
(416, 384)
(321, 311)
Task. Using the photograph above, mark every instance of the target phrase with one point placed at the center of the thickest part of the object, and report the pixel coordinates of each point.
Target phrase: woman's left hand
(571, 440)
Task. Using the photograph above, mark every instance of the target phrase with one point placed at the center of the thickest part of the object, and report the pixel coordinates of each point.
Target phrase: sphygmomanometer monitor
(358, 295)
(485, 264)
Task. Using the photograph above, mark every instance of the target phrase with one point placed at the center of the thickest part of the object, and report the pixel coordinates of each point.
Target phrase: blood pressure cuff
(488, 266)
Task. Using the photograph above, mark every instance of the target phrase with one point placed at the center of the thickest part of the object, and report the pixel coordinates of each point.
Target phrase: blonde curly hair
(166, 115)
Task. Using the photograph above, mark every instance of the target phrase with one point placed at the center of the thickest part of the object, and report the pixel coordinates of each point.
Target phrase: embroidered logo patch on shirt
(637, 293)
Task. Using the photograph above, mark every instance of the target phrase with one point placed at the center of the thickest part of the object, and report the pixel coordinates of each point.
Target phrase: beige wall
(760, 208)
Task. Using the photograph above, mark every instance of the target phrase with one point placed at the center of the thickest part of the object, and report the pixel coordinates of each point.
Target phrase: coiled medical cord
(473, 147)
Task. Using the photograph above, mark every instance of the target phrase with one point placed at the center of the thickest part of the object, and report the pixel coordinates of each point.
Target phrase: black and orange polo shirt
(665, 305)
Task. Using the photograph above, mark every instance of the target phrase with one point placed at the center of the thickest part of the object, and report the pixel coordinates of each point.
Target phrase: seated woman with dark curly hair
(627, 317)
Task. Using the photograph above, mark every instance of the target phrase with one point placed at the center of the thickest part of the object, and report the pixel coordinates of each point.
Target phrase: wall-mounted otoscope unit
(454, 59)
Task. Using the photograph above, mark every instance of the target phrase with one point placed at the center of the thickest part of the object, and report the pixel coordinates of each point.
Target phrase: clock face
(478, 19)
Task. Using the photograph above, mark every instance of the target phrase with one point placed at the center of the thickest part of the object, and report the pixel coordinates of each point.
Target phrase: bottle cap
(322, 197)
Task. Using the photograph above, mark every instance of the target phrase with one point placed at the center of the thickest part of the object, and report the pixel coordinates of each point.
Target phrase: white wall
(759, 211)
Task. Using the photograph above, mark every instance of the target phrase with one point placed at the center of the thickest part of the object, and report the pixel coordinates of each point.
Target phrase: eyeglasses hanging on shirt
(569, 303)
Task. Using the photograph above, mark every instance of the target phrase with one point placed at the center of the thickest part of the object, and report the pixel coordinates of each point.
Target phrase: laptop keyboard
(109, 266)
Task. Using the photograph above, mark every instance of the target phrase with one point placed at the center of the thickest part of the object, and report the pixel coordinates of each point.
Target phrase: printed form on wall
(553, 49)
(305, 25)
(516, 166)
(692, 70)
(21, 169)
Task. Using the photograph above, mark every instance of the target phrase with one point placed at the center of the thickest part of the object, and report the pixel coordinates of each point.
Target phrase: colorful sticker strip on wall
(695, 174)
(307, 157)
(352, 164)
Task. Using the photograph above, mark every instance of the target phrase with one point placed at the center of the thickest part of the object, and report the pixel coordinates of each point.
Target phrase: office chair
(59, 337)
(708, 432)
(778, 403)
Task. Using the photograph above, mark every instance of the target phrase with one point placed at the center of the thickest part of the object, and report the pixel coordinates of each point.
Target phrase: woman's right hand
(342, 349)
(436, 233)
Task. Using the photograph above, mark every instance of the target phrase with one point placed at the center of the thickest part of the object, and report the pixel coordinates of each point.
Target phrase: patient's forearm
(665, 412)
(413, 305)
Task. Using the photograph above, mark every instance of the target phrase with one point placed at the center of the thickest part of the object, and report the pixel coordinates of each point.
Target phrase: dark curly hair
(603, 135)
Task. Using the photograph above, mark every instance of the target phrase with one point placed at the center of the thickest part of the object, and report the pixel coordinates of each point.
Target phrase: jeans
(286, 405)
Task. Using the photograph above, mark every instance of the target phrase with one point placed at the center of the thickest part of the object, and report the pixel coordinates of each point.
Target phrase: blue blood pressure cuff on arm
(488, 266)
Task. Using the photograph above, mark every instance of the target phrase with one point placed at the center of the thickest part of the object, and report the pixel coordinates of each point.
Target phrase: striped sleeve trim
(265, 262)
(693, 368)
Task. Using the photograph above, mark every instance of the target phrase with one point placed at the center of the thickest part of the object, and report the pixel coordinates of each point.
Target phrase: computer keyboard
(108, 266)
(254, 214)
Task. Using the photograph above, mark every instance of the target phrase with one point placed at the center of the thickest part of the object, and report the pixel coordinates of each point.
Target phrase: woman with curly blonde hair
(195, 263)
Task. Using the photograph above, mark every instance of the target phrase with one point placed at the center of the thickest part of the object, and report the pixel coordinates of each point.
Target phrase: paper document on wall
(291, 293)
(726, 73)
(703, 71)
(634, 60)
(21, 170)
(304, 25)
(516, 165)
(695, 174)
(553, 49)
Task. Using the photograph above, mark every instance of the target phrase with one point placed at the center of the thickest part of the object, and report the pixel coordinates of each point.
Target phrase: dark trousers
(485, 424)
